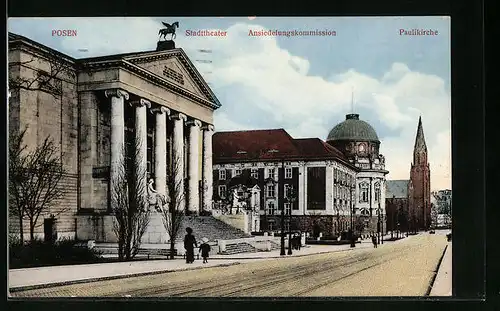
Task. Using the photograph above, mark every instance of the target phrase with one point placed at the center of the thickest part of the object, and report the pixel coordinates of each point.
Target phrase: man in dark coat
(189, 245)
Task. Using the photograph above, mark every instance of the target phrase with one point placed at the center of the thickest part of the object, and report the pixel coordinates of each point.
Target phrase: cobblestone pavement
(404, 268)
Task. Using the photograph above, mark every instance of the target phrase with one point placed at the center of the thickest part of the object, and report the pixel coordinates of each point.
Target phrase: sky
(304, 84)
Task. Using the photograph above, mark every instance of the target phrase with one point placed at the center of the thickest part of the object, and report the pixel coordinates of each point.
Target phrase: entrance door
(48, 230)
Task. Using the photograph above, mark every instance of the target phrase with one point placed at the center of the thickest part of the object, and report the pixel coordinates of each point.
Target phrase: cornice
(182, 57)
(147, 75)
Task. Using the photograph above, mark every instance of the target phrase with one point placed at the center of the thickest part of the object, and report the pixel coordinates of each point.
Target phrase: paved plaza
(402, 268)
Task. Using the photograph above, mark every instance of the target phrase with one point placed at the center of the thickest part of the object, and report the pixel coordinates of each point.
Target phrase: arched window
(377, 191)
(363, 192)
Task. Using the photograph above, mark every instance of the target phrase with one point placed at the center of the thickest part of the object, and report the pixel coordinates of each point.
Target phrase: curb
(429, 289)
(114, 277)
(287, 256)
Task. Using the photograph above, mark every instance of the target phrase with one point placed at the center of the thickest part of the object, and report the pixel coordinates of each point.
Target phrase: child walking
(204, 249)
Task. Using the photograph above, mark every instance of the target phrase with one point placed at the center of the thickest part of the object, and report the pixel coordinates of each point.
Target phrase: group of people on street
(190, 243)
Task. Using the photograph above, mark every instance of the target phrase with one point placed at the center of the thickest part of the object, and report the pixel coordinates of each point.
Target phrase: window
(270, 226)
(287, 226)
(270, 208)
(377, 192)
(363, 192)
(222, 174)
(222, 191)
(288, 208)
(270, 191)
(288, 172)
(271, 173)
(288, 191)
(255, 173)
(237, 172)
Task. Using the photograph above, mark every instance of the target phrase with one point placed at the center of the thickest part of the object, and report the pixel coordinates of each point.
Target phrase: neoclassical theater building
(330, 181)
(93, 107)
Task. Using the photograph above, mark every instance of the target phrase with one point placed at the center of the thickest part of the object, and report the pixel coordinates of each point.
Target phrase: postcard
(230, 157)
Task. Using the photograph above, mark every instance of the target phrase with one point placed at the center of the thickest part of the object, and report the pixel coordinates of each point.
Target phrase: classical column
(194, 165)
(118, 98)
(161, 114)
(178, 158)
(141, 138)
(208, 131)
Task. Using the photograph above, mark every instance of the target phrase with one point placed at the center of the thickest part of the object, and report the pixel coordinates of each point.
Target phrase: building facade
(359, 143)
(420, 176)
(442, 202)
(412, 198)
(95, 109)
(320, 188)
(397, 204)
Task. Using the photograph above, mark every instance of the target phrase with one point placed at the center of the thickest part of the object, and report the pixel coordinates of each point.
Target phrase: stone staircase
(203, 227)
(275, 246)
(238, 248)
(210, 228)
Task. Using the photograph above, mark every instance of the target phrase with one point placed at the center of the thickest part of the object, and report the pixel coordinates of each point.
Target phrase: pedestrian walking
(204, 249)
(189, 245)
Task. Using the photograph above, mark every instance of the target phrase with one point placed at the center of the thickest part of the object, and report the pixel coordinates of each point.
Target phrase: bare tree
(17, 164)
(129, 203)
(34, 178)
(173, 215)
(48, 81)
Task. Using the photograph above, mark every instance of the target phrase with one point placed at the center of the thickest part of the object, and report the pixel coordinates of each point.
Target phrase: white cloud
(288, 94)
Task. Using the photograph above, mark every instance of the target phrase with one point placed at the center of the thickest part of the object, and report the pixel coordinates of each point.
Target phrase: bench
(155, 252)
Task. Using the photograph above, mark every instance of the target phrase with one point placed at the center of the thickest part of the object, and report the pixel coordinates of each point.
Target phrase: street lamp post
(282, 203)
(291, 199)
(381, 222)
(378, 226)
(353, 244)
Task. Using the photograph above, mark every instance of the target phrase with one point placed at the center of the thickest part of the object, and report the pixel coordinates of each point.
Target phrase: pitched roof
(129, 60)
(420, 138)
(396, 189)
(270, 145)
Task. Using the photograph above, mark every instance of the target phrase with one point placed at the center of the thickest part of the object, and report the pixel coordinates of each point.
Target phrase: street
(402, 268)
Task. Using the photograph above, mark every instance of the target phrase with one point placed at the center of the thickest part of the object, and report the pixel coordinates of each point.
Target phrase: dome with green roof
(353, 129)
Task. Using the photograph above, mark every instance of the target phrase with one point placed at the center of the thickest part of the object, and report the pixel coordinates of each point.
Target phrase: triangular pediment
(175, 67)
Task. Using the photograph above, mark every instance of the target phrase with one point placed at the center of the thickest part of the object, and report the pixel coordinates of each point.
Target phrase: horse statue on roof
(170, 29)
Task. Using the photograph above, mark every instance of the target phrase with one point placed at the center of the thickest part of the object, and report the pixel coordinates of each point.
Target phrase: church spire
(420, 146)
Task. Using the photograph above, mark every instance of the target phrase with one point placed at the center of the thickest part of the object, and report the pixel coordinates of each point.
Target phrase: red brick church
(408, 202)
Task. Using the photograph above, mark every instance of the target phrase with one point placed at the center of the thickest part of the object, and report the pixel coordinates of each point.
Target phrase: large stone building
(330, 181)
(412, 198)
(397, 204)
(420, 176)
(93, 108)
(360, 144)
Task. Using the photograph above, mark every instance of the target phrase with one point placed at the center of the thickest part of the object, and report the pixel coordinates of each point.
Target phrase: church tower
(420, 208)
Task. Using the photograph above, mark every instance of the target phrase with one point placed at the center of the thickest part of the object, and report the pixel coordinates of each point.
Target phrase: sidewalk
(22, 279)
(442, 285)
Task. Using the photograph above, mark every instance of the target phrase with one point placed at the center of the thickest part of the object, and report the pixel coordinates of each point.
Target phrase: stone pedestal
(165, 45)
(155, 232)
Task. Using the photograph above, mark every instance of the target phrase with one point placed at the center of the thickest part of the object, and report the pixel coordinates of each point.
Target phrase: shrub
(38, 253)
